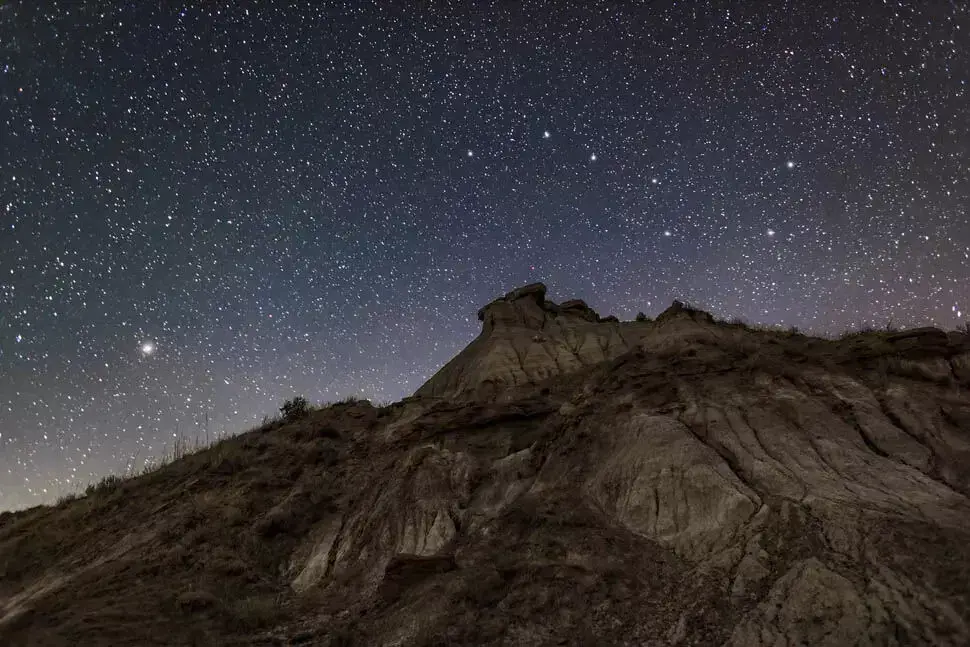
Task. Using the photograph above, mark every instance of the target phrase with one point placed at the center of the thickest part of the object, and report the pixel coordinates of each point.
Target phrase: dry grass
(184, 445)
(207, 532)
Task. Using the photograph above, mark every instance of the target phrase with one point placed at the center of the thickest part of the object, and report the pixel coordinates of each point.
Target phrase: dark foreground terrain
(565, 480)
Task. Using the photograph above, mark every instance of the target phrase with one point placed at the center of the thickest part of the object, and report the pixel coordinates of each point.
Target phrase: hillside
(567, 479)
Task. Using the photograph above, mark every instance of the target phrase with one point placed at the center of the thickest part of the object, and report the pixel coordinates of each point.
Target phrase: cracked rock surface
(567, 479)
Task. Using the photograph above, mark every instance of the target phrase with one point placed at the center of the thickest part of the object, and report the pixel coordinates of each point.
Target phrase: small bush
(641, 317)
(295, 409)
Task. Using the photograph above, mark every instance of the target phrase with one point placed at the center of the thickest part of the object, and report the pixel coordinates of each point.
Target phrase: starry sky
(207, 208)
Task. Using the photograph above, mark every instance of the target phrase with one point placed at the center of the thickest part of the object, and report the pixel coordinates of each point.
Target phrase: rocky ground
(567, 479)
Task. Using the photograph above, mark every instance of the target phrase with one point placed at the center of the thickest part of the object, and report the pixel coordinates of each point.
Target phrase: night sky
(209, 208)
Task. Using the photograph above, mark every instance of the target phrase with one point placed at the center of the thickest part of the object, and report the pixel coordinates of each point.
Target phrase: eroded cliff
(567, 479)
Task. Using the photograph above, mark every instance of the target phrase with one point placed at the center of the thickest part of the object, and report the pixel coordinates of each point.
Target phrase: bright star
(471, 154)
(790, 164)
(545, 134)
(654, 180)
(771, 232)
(147, 348)
(668, 233)
(592, 158)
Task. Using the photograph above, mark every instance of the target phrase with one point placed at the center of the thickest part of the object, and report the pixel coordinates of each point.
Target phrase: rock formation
(565, 480)
(526, 339)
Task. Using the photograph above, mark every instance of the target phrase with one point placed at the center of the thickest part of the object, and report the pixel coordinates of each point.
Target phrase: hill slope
(567, 479)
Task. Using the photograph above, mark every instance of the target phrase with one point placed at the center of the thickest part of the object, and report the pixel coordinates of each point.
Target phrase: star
(292, 210)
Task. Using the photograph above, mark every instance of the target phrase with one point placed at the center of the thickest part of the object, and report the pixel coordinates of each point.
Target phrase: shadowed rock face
(567, 479)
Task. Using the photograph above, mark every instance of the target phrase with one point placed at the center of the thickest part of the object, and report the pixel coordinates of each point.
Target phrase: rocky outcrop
(567, 479)
(656, 478)
(526, 340)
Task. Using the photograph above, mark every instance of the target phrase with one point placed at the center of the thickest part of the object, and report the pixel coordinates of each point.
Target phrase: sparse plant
(862, 330)
(269, 423)
(641, 317)
(180, 448)
(67, 498)
(106, 485)
(295, 409)
(151, 465)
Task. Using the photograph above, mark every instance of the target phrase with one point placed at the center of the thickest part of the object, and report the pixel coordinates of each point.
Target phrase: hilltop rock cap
(533, 291)
(520, 307)
(527, 307)
(526, 339)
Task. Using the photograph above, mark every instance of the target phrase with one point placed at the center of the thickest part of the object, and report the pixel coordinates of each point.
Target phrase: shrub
(642, 317)
(295, 409)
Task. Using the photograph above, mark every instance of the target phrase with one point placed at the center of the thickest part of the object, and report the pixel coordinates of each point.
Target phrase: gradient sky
(208, 208)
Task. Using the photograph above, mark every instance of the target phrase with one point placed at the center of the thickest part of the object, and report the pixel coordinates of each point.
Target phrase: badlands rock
(565, 480)
(526, 339)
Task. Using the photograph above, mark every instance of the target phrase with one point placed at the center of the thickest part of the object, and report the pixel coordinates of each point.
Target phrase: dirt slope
(681, 481)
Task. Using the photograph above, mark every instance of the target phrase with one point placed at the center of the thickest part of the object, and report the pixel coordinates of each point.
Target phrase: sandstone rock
(657, 479)
(526, 340)
(960, 365)
(812, 605)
